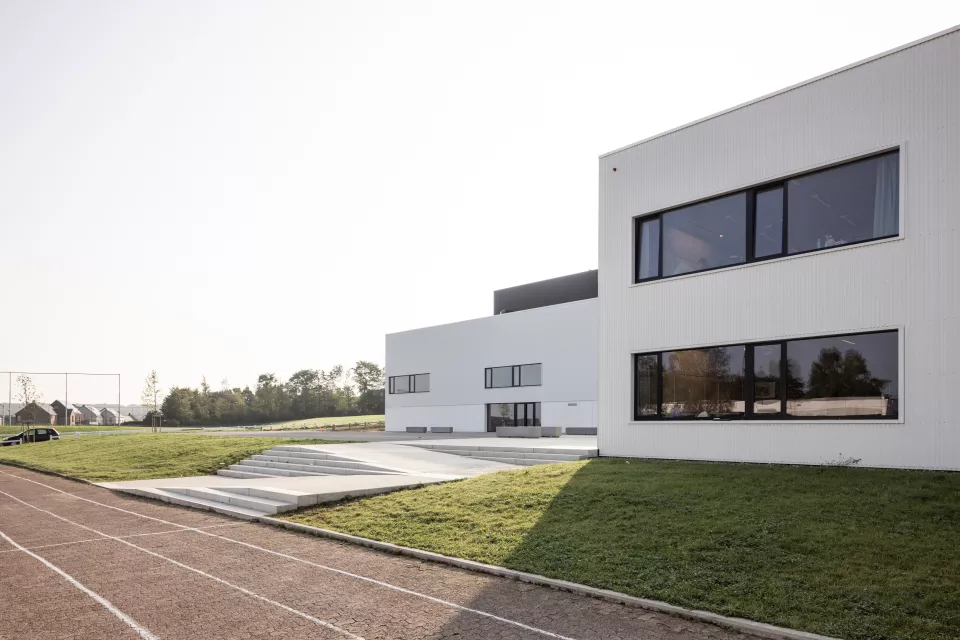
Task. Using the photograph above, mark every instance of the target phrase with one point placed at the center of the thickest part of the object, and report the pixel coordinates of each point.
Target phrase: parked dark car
(40, 434)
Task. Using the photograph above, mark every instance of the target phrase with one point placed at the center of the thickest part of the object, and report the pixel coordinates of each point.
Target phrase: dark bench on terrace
(441, 429)
(416, 429)
(581, 431)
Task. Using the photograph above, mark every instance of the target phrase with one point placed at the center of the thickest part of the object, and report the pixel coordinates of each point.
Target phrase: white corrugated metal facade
(908, 99)
(562, 337)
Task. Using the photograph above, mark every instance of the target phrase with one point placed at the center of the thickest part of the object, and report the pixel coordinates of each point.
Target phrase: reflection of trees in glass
(506, 413)
(835, 375)
(700, 381)
(796, 387)
(647, 376)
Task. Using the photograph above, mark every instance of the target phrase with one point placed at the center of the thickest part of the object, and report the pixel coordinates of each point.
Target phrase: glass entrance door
(513, 414)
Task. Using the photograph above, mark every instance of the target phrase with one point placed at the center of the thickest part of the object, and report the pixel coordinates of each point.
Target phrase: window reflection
(843, 376)
(850, 203)
(530, 375)
(769, 226)
(706, 235)
(648, 382)
(502, 377)
(703, 383)
(649, 248)
(766, 380)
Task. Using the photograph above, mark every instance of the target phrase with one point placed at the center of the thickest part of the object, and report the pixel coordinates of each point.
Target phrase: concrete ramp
(291, 477)
(250, 498)
(405, 459)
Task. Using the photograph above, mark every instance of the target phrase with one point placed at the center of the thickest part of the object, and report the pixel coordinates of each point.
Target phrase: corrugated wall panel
(909, 99)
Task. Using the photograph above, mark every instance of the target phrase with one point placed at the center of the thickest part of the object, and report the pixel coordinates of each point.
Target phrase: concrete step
(527, 462)
(450, 448)
(309, 452)
(288, 496)
(272, 472)
(291, 457)
(315, 468)
(555, 457)
(266, 505)
(230, 473)
(244, 513)
(304, 452)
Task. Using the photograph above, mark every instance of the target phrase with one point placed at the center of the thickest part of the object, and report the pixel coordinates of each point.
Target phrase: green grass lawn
(139, 456)
(317, 423)
(846, 552)
(10, 430)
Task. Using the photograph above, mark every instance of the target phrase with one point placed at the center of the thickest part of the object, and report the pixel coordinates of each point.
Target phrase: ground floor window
(513, 414)
(831, 377)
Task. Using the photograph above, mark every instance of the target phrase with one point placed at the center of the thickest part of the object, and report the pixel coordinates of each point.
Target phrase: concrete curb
(757, 629)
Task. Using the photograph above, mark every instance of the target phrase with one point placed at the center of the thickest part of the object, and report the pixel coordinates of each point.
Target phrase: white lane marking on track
(106, 604)
(132, 535)
(387, 585)
(307, 616)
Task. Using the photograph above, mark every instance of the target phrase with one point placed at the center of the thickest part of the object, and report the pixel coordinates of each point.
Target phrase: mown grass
(10, 430)
(851, 553)
(139, 456)
(318, 423)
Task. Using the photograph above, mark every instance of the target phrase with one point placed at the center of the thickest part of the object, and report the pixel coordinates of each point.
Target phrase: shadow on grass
(845, 552)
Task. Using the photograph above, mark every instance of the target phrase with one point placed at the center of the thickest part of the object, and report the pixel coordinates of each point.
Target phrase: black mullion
(749, 391)
(636, 387)
(751, 225)
(783, 379)
(660, 247)
(637, 226)
(660, 384)
(783, 249)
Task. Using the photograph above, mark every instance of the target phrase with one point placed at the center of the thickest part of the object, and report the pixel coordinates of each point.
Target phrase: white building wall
(562, 337)
(909, 98)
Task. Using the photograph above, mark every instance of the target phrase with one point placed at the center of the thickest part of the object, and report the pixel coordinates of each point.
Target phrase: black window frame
(515, 377)
(748, 383)
(411, 384)
(750, 231)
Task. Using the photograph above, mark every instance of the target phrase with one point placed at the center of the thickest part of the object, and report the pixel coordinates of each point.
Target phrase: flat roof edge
(499, 315)
(792, 87)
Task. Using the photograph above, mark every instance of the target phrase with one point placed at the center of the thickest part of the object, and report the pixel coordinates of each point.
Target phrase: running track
(78, 561)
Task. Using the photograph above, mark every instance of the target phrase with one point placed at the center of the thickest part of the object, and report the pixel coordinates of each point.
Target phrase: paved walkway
(112, 566)
(352, 436)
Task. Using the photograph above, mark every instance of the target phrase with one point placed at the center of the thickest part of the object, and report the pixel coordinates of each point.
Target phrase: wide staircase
(518, 455)
(299, 461)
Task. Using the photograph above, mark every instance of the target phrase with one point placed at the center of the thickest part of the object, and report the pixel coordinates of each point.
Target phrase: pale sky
(230, 188)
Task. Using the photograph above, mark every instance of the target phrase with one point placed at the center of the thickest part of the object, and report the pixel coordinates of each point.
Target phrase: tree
(26, 391)
(151, 391)
(367, 376)
(178, 405)
(371, 402)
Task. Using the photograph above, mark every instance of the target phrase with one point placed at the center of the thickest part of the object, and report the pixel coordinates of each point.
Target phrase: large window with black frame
(513, 414)
(414, 383)
(851, 376)
(846, 204)
(518, 375)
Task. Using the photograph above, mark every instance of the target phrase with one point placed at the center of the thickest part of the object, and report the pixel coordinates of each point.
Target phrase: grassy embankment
(845, 552)
(139, 456)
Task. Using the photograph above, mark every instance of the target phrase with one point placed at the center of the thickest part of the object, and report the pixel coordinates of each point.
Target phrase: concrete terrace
(291, 477)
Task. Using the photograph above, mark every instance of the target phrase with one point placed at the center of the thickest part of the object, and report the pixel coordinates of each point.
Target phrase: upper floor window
(416, 383)
(518, 375)
(846, 376)
(847, 204)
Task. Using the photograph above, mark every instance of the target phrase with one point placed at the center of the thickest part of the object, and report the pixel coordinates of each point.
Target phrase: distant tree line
(308, 393)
